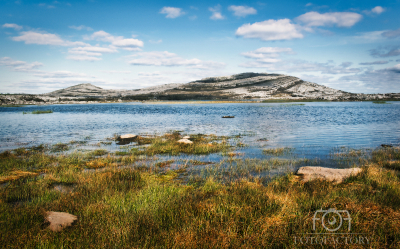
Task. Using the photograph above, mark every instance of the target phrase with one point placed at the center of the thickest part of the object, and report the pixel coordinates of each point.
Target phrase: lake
(312, 129)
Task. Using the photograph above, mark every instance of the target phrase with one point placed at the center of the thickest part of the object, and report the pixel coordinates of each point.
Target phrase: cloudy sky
(48, 45)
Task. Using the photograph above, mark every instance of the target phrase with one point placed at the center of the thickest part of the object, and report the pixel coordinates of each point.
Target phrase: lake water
(312, 129)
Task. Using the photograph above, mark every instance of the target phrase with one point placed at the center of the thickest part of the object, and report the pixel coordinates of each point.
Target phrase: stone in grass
(186, 137)
(59, 220)
(309, 173)
(126, 139)
(185, 141)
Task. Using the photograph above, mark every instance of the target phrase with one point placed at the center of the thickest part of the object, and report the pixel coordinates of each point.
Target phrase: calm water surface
(312, 129)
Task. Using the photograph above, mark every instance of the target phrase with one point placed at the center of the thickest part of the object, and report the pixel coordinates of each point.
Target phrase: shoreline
(134, 199)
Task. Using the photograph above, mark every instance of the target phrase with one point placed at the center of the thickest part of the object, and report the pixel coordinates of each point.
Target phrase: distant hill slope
(239, 86)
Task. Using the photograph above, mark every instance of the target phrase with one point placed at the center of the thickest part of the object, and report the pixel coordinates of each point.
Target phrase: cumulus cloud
(80, 27)
(216, 13)
(374, 63)
(19, 66)
(242, 11)
(12, 26)
(375, 11)
(129, 44)
(270, 30)
(387, 51)
(165, 58)
(42, 38)
(378, 10)
(391, 33)
(339, 19)
(172, 12)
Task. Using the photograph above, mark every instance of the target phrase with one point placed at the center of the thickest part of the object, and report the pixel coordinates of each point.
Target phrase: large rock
(126, 139)
(309, 173)
(185, 141)
(59, 220)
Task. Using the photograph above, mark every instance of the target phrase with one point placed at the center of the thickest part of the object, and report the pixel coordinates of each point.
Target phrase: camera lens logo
(331, 219)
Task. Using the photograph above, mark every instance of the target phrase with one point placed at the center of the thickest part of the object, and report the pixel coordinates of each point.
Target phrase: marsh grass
(380, 102)
(225, 205)
(39, 112)
(278, 151)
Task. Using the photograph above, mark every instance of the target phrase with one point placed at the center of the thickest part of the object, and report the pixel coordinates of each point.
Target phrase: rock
(309, 173)
(228, 116)
(128, 136)
(59, 220)
(185, 141)
(126, 139)
(186, 137)
(386, 145)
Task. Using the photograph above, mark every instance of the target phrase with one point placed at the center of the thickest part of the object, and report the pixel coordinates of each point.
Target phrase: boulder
(185, 141)
(59, 220)
(128, 136)
(126, 139)
(186, 137)
(309, 173)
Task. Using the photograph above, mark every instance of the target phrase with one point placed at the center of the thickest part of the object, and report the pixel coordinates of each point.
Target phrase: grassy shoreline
(134, 201)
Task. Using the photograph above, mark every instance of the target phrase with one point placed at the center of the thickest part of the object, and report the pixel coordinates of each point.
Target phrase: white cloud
(41, 38)
(270, 30)
(80, 27)
(339, 19)
(172, 12)
(376, 81)
(165, 58)
(373, 63)
(216, 13)
(242, 11)
(378, 10)
(391, 33)
(263, 53)
(12, 26)
(129, 44)
(291, 66)
(387, 51)
(89, 53)
(116, 72)
(19, 66)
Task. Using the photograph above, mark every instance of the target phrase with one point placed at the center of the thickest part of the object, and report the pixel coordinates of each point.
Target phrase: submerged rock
(126, 139)
(59, 220)
(228, 116)
(309, 173)
(185, 141)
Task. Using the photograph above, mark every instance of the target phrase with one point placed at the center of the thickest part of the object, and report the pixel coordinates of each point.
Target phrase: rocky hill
(258, 86)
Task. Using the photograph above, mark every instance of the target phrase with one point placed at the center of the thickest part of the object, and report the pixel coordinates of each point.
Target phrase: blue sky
(47, 45)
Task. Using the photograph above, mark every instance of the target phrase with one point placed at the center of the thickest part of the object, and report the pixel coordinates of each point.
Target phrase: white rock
(128, 136)
(186, 137)
(309, 173)
(185, 141)
(59, 220)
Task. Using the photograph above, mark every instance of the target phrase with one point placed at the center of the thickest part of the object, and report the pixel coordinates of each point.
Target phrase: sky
(352, 46)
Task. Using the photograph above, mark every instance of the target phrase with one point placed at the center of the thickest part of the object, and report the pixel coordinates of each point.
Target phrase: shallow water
(313, 129)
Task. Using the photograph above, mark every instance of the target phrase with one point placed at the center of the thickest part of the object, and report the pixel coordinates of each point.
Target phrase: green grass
(223, 205)
(39, 112)
(380, 102)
